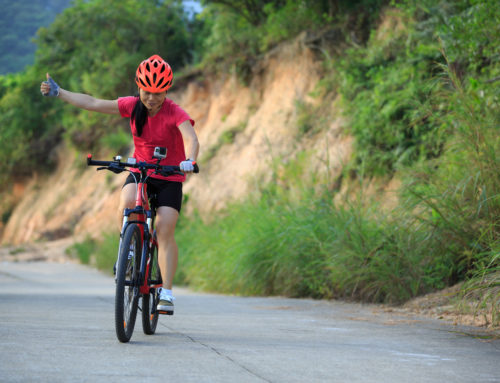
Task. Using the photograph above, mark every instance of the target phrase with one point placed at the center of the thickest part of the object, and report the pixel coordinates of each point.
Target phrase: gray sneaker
(166, 304)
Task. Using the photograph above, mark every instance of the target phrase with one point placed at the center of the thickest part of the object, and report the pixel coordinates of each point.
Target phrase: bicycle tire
(127, 286)
(150, 300)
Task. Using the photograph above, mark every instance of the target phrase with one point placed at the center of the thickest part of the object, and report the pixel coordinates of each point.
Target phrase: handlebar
(117, 166)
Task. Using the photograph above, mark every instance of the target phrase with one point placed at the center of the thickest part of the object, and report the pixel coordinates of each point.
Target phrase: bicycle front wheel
(127, 284)
(149, 301)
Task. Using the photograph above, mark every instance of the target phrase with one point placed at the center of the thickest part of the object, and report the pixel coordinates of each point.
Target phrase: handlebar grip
(91, 162)
(196, 168)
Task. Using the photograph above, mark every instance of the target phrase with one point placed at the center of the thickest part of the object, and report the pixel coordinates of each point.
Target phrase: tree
(19, 21)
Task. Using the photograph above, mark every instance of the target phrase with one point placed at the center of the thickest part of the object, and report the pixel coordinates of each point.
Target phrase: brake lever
(115, 168)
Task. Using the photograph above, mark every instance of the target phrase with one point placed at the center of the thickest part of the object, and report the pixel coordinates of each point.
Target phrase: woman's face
(152, 101)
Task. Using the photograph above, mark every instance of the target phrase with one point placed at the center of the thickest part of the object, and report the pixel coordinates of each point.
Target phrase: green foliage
(103, 64)
(458, 194)
(19, 22)
(387, 85)
(285, 21)
(386, 88)
(468, 30)
(27, 125)
(241, 31)
(107, 251)
(83, 250)
(118, 142)
(102, 253)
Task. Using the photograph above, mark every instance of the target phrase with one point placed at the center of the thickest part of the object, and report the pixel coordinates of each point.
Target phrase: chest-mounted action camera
(160, 153)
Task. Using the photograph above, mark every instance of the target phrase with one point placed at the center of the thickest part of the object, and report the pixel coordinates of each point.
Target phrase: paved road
(56, 325)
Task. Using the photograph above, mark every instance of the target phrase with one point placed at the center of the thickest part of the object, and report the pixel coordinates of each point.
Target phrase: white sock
(166, 292)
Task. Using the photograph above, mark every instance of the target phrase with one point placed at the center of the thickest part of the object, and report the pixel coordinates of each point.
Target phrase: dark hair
(140, 116)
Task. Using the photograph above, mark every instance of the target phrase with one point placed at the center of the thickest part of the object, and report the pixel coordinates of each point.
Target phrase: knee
(164, 229)
(127, 198)
(165, 224)
(124, 204)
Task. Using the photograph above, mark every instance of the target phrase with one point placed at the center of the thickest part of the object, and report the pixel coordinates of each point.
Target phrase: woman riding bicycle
(155, 121)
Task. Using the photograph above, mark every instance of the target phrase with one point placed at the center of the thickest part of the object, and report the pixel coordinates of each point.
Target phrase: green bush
(28, 129)
(107, 251)
(101, 253)
(83, 250)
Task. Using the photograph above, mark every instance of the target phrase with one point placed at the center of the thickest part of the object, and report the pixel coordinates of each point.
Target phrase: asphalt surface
(56, 325)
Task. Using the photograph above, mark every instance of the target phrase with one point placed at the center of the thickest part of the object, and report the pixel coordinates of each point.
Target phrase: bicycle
(137, 274)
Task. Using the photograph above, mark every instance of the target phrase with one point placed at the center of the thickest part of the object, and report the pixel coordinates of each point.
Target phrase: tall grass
(459, 196)
(291, 239)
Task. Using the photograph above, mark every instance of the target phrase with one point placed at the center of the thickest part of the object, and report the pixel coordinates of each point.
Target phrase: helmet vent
(154, 75)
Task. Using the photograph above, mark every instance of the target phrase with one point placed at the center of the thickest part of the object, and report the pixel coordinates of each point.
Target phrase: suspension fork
(146, 256)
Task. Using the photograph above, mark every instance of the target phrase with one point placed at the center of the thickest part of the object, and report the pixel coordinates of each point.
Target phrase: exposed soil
(54, 251)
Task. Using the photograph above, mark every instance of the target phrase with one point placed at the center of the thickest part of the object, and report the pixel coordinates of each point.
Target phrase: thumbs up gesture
(49, 88)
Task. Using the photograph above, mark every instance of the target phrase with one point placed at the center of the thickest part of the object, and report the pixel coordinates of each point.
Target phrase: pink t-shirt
(160, 130)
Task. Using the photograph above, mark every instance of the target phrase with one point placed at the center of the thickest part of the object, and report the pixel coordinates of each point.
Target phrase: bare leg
(168, 253)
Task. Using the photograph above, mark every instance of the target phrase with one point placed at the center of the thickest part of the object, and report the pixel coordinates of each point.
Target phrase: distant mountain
(19, 21)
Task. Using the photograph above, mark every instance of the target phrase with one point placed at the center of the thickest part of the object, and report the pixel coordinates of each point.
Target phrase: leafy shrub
(28, 129)
(102, 253)
(83, 250)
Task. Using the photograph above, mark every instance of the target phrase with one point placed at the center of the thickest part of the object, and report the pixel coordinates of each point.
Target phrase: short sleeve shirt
(160, 130)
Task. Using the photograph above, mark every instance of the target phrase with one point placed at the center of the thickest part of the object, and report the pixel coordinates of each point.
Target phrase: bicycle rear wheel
(149, 301)
(127, 284)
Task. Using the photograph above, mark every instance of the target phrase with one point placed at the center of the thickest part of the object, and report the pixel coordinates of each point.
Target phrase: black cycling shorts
(166, 193)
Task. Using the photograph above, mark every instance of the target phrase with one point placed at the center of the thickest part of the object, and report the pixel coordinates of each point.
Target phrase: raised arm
(191, 144)
(83, 101)
(191, 140)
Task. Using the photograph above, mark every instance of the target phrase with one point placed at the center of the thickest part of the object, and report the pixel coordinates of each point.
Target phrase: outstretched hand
(49, 88)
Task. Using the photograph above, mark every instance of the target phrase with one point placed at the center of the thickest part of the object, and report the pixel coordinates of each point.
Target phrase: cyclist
(155, 120)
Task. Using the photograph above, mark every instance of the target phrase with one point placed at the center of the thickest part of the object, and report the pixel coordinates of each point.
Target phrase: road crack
(219, 353)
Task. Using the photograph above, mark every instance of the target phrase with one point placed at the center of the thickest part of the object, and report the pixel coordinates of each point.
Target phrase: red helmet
(154, 75)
